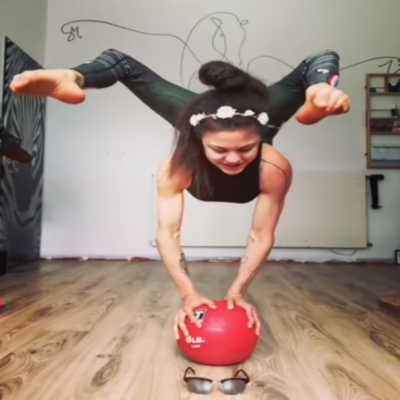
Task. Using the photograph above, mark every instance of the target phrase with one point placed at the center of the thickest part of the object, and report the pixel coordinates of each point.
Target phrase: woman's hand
(236, 299)
(190, 302)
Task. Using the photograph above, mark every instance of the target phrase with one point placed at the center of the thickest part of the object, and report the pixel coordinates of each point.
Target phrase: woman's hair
(230, 87)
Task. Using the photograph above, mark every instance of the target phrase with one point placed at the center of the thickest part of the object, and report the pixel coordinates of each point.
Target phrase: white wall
(100, 155)
(24, 22)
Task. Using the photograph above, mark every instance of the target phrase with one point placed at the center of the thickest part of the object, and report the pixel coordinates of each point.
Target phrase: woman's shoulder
(275, 169)
(269, 152)
(171, 182)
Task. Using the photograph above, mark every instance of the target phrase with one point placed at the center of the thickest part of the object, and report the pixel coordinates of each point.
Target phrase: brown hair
(230, 87)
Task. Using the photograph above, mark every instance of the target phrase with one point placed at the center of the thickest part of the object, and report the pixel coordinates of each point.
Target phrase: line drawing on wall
(222, 23)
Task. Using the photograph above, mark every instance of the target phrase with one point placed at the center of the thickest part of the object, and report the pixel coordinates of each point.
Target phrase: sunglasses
(230, 386)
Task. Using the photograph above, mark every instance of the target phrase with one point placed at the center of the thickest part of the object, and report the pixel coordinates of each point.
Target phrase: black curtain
(21, 185)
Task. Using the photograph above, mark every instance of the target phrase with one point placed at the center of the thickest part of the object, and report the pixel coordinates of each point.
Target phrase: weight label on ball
(195, 341)
(199, 314)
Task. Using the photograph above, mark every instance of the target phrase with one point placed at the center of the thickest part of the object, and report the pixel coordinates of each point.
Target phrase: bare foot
(61, 84)
(312, 111)
(322, 100)
(310, 114)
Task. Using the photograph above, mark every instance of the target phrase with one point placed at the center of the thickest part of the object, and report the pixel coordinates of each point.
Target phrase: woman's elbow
(166, 234)
(262, 237)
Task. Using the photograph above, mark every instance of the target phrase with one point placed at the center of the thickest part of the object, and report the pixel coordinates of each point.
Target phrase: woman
(223, 146)
(219, 156)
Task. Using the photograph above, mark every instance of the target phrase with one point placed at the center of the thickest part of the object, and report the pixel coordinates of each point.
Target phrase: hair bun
(223, 76)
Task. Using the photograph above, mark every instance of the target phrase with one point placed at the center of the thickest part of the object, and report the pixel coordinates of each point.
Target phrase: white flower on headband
(263, 118)
(196, 118)
(225, 112)
(228, 112)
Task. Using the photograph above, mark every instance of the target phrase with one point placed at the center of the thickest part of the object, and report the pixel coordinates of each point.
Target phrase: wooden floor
(103, 331)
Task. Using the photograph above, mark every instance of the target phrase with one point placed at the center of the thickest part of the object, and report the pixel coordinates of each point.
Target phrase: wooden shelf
(386, 133)
(385, 164)
(381, 131)
(386, 118)
(385, 94)
(378, 75)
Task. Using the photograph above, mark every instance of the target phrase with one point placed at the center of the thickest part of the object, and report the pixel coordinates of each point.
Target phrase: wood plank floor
(103, 331)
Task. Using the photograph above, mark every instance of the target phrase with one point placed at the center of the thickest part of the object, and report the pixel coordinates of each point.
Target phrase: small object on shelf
(395, 111)
(394, 88)
(382, 125)
(389, 153)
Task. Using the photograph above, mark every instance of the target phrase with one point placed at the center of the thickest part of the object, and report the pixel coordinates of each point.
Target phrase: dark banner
(21, 186)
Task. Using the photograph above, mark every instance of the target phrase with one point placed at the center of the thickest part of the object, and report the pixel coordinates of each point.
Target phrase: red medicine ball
(223, 339)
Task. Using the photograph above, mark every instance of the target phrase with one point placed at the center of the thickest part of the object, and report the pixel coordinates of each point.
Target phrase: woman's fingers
(176, 322)
(258, 323)
(190, 314)
(181, 322)
(210, 303)
(250, 315)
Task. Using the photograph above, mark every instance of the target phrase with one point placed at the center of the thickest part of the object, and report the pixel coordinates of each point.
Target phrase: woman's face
(232, 150)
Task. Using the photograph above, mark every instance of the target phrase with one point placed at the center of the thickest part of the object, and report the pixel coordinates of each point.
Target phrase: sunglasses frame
(245, 379)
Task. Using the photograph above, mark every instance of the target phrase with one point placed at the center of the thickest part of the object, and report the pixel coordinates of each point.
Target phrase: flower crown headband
(228, 112)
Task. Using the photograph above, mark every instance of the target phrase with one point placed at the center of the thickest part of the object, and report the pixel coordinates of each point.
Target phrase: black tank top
(241, 188)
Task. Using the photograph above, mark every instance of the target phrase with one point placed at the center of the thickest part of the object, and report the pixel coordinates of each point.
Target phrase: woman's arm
(276, 178)
(170, 214)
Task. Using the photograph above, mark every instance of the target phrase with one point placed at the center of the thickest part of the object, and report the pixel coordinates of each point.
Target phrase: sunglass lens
(233, 386)
(199, 386)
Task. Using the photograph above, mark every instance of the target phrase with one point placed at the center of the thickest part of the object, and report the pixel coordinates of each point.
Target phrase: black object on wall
(21, 185)
(373, 182)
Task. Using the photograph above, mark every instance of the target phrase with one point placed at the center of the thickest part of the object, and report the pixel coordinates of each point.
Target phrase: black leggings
(111, 66)
(168, 99)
